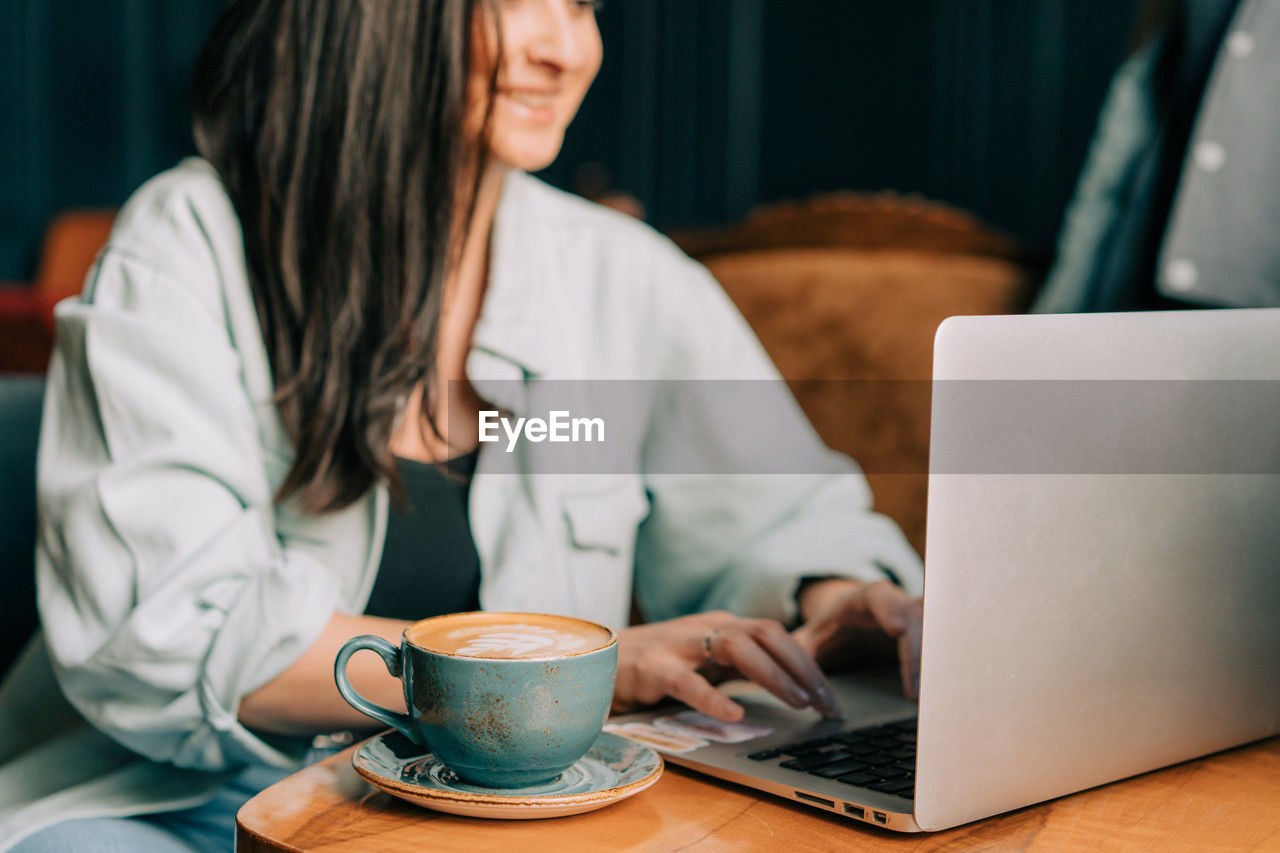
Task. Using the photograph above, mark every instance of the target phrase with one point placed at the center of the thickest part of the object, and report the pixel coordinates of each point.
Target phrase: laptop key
(902, 753)
(817, 759)
(896, 786)
(839, 768)
(804, 747)
(764, 755)
(859, 779)
(875, 759)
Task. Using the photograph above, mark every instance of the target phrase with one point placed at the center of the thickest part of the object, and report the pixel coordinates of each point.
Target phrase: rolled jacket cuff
(273, 618)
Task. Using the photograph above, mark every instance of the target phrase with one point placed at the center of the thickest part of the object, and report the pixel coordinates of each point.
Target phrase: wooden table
(1227, 801)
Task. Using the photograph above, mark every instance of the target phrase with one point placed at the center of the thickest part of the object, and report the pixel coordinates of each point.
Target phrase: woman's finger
(700, 626)
(742, 652)
(910, 669)
(784, 649)
(688, 687)
(857, 608)
(889, 607)
(909, 645)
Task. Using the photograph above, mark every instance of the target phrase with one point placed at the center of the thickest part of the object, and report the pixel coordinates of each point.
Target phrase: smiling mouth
(533, 100)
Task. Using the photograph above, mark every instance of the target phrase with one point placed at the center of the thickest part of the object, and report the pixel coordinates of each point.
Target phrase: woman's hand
(845, 619)
(683, 658)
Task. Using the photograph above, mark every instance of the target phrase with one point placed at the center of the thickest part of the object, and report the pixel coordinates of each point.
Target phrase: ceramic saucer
(612, 770)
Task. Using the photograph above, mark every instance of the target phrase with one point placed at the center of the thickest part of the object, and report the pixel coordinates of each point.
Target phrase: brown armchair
(71, 244)
(853, 287)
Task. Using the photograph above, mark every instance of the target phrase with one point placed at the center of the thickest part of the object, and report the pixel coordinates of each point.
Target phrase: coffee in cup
(508, 636)
(502, 699)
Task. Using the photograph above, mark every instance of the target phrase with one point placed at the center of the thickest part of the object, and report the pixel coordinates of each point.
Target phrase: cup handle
(391, 657)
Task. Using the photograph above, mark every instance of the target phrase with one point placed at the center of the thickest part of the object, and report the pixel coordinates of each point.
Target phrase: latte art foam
(482, 636)
(516, 641)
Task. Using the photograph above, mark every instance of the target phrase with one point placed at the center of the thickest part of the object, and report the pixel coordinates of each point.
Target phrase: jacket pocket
(604, 516)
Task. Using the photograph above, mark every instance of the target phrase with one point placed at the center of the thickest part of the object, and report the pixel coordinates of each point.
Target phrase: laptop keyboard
(882, 758)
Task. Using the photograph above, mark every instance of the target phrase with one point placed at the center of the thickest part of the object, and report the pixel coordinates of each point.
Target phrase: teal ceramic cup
(505, 700)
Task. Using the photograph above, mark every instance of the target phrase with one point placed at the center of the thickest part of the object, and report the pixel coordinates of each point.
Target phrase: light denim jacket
(170, 587)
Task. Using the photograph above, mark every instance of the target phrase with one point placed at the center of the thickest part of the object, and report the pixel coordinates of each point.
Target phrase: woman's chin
(527, 156)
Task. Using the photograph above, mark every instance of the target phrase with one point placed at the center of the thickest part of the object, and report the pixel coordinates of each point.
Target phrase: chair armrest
(26, 330)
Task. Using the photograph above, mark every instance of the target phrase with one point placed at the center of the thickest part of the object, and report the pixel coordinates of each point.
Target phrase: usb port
(881, 817)
(810, 798)
(856, 811)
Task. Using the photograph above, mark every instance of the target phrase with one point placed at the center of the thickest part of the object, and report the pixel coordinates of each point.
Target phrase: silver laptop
(1102, 592)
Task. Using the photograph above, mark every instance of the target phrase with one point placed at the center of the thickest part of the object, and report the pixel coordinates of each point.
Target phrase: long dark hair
(338, 129)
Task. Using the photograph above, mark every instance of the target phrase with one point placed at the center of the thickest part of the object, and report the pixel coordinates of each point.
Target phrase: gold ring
(706, 645)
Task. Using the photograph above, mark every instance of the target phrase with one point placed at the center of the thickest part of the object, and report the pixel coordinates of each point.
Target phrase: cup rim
(613, 635)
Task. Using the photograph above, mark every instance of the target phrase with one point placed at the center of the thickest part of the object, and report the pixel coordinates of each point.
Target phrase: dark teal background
(703, 109)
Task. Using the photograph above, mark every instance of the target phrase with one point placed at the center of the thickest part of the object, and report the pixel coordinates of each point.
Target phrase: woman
(248, 403)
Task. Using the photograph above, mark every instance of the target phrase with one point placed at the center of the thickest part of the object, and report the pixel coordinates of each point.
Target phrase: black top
(429, 562)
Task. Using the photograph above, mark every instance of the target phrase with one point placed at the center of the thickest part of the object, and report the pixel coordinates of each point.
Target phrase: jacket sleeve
(164, 592)
(745, 498)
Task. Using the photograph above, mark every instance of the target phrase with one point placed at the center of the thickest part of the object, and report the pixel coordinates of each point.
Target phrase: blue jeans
(207, 828)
